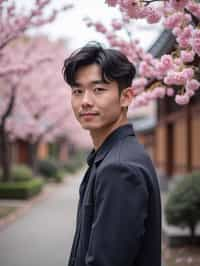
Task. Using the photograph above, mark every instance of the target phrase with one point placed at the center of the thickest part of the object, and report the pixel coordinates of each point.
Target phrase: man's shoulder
(128, 156)
(127, 150)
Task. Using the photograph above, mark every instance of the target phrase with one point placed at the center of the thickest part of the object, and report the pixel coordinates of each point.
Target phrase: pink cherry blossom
(195, 42)
(159, 92)
(192, 84)
(126, 4)
(194, 8)
(140, 100)
(144, 11)
(187, 56)
(116, 24)
(112, 2)
(100, 27)
(145, 70)
(153, 15)
(167, 60)
(177, 4)
(176, 31)
(190, 93)
(170, 92)
(182, 99)
(138, 85)
(188, 72)
(184, 37)
(148, 58)
(174, 20)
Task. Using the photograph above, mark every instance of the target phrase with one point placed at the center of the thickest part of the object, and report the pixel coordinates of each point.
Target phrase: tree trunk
(192, 233)
(4, 155)
(32, 156)
(4, 145)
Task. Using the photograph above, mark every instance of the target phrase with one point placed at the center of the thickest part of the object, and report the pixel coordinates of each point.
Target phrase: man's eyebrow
(97, 82)
(93, 82)
(76, 84)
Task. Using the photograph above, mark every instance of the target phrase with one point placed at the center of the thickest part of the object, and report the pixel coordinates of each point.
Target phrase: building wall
(148, 140)
(20, 152)
(171, 147)
(160, 148)
(180, 141)
(177, 138)
(195, 143)
(42, 151)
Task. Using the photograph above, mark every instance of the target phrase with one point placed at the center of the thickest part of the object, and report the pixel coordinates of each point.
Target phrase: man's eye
(76, 91)
(99, 89)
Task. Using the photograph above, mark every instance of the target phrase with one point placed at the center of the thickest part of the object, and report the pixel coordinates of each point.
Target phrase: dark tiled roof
(163, 45)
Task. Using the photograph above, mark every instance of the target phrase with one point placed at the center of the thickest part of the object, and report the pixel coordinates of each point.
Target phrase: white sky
(70, 25)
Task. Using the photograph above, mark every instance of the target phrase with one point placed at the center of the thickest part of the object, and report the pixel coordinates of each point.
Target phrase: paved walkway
(43, 231)
(42, 236)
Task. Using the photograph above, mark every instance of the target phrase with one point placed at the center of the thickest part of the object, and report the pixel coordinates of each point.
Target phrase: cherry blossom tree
(19, 52)
(175, 74)
(13, 23)
(42, 110)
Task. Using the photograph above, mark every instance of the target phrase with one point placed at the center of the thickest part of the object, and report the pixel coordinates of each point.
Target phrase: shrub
(75, 162)
(47, 168)
(70, 167)
(183, 203)
(60, 176)
(21, 173)
(21, 190)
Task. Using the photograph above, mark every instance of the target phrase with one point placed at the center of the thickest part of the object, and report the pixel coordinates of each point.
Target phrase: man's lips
(88, 114)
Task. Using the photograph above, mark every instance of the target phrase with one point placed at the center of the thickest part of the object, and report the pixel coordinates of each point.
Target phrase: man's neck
(99, 136)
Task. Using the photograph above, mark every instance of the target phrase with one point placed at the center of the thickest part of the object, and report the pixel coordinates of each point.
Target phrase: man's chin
(89, 127)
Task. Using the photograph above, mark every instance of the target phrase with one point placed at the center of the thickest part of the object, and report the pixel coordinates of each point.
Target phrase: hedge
(21, 190)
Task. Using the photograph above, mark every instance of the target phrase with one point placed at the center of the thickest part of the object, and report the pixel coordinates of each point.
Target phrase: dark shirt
(119, 210)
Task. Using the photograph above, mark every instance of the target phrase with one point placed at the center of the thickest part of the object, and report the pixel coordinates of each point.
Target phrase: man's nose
(87, 99)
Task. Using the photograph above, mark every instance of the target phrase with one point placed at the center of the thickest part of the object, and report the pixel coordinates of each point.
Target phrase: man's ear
(126, 97)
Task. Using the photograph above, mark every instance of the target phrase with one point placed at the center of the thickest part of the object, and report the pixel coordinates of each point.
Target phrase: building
(173, 137)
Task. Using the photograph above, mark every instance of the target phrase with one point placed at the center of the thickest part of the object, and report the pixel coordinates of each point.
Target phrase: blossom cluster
(175, 74)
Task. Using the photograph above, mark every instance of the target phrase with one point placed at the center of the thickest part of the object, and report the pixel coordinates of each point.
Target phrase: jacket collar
(117, 134)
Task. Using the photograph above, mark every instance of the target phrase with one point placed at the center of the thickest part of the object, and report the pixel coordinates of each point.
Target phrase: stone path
(43, 234)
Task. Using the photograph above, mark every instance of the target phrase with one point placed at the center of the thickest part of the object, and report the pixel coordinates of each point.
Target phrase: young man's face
(97, 105)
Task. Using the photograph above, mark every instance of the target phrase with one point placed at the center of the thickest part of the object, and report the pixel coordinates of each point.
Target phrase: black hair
(114, 65)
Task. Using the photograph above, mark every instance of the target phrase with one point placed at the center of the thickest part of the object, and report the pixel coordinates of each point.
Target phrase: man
(119, 211)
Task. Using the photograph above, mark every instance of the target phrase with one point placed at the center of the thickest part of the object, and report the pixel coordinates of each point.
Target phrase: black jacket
(119, 211)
